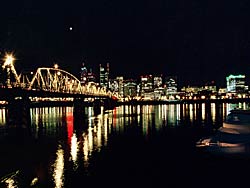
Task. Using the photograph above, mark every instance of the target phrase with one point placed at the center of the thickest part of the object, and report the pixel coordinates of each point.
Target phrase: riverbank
(182, 101)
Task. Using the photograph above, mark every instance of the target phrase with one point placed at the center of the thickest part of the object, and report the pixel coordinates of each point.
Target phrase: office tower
(171, 85)
(104, 76)
(83, 74)
(236, 83)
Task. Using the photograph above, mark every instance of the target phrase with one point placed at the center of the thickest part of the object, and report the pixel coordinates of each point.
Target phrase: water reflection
(2, 116)
(74, 150)
(69, 141)
(58, 165)
(213, 112)
(2, 122)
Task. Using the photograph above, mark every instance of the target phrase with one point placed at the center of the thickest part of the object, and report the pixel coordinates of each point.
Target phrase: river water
(129, 146)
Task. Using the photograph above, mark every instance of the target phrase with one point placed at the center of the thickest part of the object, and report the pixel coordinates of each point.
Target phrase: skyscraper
(171, 85)
(104, 76)
(86, 75)
(83, 74)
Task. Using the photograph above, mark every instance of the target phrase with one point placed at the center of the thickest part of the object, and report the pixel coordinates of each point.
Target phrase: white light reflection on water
(117, 117)
(195, 110)
(2, 121)
(185, 110)
(173, 114)
(88, 142)
(114, 119)
(158, 117)
(74, 149)
(164, 113)
(227, 107)
(58, 172)
(224, 109)
(97, 128)
(213, 111)
(48, 119)
(191, 109)
(2, 116)
(105, 131)
(147, 119)
(85, 150)
(92, 138)
(178, 113)
(138, 112)
(127, 113)
(203, 112)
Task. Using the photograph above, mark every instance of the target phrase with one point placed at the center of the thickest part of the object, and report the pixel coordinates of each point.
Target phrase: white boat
(232, 138)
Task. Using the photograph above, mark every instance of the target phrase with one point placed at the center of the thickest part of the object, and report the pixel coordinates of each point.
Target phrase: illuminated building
(171, 85)
(104, 76)
(130, 88)
(158, 89)
(117, 85)
(191, 89)
(157, 81)
(83, 74)
(236, 83)
(120, 85)
(114, 85)
(91, 76)
(146, 84)
(86, 76)
(210, 86)
(222, 90)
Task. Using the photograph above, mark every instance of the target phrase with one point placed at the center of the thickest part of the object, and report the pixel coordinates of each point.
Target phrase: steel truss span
(58, 80)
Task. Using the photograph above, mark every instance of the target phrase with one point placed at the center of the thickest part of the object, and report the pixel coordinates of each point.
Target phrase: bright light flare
(8, 60)
(56, 66)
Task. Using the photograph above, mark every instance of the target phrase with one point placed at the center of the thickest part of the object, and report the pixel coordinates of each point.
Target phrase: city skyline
(95, 75)
(195, 41)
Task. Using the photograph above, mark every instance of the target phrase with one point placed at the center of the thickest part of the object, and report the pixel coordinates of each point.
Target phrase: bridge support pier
(109, 104)
(18, 114)
(97, 106)
(79, 113)
(78, 105)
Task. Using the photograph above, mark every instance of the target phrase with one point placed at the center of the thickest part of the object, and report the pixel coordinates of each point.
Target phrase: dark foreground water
(130, 146)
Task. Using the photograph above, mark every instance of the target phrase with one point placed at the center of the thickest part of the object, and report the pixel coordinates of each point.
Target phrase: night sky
(197, 41)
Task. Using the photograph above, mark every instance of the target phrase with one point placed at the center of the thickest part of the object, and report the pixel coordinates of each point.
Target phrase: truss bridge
(49, 82)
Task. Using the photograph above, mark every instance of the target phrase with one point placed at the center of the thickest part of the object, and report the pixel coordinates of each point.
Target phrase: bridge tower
(10, 68)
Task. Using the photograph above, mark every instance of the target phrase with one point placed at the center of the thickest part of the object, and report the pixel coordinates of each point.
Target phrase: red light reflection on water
(70, 124)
